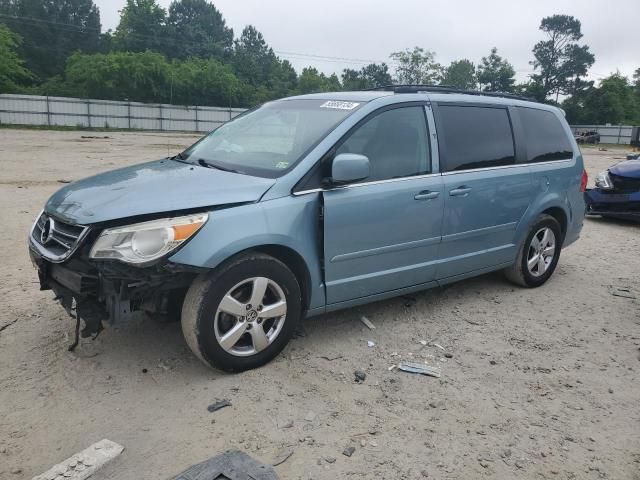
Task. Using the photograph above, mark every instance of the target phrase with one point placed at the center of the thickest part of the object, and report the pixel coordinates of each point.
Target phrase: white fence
(90, 113)
(620, 134)
(78, 112)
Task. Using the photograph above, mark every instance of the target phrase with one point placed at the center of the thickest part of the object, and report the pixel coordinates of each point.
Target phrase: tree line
(187, 54)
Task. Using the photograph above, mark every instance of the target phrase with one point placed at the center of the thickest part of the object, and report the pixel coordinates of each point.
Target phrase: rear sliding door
(486, 192)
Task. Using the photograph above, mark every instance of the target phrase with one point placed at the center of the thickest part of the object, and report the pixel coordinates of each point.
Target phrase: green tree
(461, 74)
(561, 62)
(13, 74)
(496, 74)
(198, 30)
(312, 81)
(253, 59)
(142, 76)
(142, 27)
(371, 76)
(417, 67)
(613, 101)
(199, 81)
(532, 90)
(148, 77)
(51, 30)
(284, 79)
(258, 67)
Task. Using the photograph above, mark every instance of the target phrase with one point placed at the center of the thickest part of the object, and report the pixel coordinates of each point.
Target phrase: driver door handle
(461, 191)
(426, 195)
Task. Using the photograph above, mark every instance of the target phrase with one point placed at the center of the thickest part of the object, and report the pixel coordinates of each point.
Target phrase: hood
(628, 168)
(154, 187)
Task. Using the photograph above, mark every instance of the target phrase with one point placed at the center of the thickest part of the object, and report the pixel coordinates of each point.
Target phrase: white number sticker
(339, 105)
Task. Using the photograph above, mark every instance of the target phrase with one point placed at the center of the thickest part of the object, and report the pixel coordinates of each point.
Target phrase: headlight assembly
(145, 242)
(603, 180)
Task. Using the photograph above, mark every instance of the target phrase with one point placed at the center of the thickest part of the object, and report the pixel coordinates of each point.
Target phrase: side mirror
(349, 167)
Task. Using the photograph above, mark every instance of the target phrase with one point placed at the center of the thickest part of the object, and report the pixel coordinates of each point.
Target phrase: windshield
(271, 139)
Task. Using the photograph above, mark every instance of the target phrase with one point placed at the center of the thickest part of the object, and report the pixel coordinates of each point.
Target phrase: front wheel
(539, 254)
(242, 314)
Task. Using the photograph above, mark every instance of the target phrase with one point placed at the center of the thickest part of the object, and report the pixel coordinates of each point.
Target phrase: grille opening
(56, 240)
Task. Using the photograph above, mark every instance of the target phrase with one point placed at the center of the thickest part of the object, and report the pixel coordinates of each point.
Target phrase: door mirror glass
(349, 167)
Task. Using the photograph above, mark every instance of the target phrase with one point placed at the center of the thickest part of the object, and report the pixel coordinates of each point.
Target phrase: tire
(520, 273)
(251, 340)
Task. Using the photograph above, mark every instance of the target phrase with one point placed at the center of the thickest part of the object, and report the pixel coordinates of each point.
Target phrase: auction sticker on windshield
(339, 105)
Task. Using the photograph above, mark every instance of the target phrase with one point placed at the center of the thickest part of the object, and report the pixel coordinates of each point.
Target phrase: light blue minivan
(315, 203)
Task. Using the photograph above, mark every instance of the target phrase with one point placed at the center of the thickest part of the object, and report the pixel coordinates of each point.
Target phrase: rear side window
(544, 135)
(476, 137)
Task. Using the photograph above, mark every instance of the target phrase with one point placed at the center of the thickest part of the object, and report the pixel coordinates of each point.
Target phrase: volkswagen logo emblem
(47, 231)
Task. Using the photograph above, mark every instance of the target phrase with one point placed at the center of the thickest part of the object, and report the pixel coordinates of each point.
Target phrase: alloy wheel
(541, 251)
(250, 316)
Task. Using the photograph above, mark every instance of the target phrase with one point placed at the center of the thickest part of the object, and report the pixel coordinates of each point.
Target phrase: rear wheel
(539, 254)
(242, 314)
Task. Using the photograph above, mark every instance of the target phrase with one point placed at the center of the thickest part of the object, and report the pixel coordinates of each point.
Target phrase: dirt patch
(535, 383)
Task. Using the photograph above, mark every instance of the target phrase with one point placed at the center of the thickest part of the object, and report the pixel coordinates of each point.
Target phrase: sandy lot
(542, 383)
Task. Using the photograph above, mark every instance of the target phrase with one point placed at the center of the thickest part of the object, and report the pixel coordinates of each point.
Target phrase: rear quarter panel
(557, 185)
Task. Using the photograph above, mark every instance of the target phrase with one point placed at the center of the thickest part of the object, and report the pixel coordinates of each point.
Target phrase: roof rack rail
(447, 89)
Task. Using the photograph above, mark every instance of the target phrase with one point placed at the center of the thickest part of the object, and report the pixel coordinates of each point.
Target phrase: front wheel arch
(205, 296)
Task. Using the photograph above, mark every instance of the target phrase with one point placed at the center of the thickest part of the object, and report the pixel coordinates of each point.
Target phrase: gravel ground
(540, 384)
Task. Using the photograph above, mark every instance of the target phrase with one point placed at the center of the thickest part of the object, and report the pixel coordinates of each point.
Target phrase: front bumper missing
(73, 290)
(111, 292)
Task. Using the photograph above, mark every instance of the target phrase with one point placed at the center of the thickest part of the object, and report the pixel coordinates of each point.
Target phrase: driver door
(382, 233)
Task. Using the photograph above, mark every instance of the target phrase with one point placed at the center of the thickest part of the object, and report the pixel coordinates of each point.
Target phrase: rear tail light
(584, 180)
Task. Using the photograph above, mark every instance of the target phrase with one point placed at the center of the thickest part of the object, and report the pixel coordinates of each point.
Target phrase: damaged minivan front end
(103, 244)
(107, 274)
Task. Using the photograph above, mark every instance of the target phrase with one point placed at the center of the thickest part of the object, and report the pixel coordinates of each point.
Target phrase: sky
(356, 32)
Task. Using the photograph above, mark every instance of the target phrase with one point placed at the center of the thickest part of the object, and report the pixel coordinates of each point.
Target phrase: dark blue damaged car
(617, 192)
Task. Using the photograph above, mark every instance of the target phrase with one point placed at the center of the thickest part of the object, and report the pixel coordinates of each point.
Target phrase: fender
(291, 222)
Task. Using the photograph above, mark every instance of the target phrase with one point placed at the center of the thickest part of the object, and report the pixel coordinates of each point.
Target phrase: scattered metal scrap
(347, 452)
(214, 407)
(367, 323)
(624, 292)
(420, 368)
(231, 465)
(282, 456)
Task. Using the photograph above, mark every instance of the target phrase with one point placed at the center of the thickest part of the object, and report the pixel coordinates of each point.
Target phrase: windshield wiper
(179, 156)
(204, 163)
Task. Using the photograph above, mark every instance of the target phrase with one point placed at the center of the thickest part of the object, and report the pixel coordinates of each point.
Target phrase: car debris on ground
(423, 369)
(219, 404)
(367, 323)
(85, 463)
(624, 292)
(232, 464)
(347, 452)
(282, 456)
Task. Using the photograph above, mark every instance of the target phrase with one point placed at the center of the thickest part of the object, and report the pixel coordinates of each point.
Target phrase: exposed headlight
(147, 241)
(603, 180)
